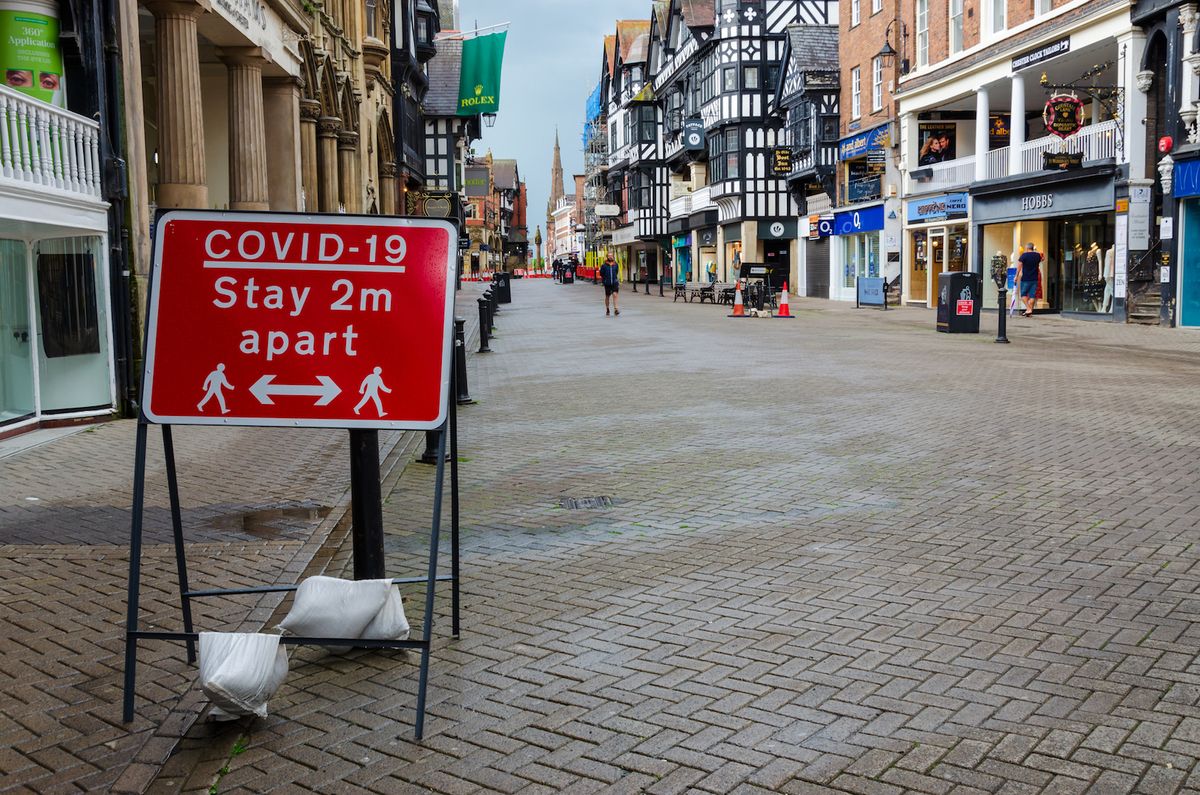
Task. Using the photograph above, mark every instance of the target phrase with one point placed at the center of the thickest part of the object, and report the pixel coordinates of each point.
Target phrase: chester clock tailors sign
(288, 319)
(1063, 115)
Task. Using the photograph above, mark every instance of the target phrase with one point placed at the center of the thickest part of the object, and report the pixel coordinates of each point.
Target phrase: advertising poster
(937, 141)
(29, 53)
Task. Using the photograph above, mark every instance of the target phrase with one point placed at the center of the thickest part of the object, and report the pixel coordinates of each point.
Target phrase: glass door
(937, 257)
(918, 276)
(16, 363)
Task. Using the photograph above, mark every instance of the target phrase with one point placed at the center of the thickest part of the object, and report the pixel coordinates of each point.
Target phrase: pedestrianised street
(843, 553)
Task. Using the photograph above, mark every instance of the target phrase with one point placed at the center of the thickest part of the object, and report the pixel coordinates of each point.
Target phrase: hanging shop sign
(479, 79)
(859, 145)
(781, 161)
(475, 181)
(851, 222)
(1063, 115)
(820, 226)
(693, 135)
(29, 50)
(331, 321)
(1061, 161)
(1044, 53)
(432, 203)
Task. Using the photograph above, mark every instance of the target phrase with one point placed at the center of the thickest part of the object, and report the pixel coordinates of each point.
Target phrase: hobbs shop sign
(1084, 196)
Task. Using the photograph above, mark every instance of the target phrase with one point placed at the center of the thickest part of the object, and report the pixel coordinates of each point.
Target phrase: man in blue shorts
(1027, 276)
(611, 280)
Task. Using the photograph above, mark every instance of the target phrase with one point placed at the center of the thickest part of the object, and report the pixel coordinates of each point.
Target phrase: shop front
(859, 248)
(936, 232)
(731, 262)
(775, 244)
(1187, 194)
(705, 254)
(681, 246)
(816, 256)
(1070, 220)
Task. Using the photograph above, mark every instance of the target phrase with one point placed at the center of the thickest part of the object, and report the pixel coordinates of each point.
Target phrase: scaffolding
(595, 189)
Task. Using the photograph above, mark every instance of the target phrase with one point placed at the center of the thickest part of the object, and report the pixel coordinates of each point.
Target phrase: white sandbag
(389, 623)
(240, 671)
(327, 607)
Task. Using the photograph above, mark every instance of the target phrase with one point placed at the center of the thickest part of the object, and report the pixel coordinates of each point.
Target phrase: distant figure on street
(611, 280)
(213, 385)
(712, 272)
(370, 391)
(1030, 261)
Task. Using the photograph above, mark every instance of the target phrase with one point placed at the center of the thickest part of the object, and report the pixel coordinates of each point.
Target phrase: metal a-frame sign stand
(220, 252)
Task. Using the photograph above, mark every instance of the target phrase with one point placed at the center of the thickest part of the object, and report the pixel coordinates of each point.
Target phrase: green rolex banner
(479, 83)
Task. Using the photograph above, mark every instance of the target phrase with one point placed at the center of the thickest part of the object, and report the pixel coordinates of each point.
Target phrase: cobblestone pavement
(259, 506)
(842, 553)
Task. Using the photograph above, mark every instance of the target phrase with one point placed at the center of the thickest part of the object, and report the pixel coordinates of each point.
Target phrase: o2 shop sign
(298, 320)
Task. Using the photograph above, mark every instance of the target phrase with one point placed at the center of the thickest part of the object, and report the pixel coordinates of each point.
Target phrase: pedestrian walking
(612, 283)
(1030, 263)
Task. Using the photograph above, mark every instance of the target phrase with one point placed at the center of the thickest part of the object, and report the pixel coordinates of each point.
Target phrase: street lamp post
(1000, 277)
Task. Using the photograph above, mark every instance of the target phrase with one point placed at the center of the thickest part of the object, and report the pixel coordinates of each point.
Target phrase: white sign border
(151, 337)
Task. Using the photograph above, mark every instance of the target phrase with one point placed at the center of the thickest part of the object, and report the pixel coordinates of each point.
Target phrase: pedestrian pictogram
(213, 386)
(290, 319)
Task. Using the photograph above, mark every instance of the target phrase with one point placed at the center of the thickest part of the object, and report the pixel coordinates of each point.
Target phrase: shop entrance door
(779, 263)
(16, 365)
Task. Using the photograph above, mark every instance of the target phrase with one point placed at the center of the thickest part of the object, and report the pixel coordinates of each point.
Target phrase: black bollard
(431, 447)
(484, 323)
(463, 396)
(1002, 328)
(493, 310)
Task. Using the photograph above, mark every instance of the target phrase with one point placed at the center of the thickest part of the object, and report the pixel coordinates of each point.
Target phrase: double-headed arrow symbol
(327, 390)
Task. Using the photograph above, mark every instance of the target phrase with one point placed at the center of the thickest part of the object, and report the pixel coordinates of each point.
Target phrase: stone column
(281, 104)
(1132, 46)
(310, 112)
(1016, 125)
(387, 189)
(348, 171)
(1187, 89)
(981, 134)
(248, 186)
(327, 163)
(181, 177)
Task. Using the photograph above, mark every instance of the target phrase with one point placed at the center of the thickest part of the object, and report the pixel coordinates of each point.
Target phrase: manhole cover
(585, 503)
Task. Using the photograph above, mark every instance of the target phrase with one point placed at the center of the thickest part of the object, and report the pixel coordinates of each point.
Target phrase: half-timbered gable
(808, 96)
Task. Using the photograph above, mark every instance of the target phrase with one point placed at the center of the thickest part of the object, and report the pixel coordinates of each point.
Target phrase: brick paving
(843, 554)
(259, 506)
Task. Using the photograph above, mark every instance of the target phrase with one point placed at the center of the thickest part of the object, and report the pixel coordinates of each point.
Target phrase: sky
(552, 61)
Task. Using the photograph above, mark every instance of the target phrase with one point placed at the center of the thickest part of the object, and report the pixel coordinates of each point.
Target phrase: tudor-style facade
(808, 99)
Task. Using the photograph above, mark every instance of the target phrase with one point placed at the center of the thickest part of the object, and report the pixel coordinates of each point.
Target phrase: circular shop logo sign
(777, 229)
(693, 139)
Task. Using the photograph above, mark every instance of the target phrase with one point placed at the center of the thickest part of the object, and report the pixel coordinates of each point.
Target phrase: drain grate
(585, 503)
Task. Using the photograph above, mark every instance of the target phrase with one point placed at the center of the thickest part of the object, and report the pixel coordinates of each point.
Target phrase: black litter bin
(568, 275)
(503, 282)
(960, 297)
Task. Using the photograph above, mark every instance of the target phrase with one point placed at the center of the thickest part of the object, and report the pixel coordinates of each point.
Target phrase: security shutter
(817, 268)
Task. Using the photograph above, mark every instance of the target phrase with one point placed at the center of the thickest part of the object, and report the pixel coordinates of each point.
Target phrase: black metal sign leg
(177, 529)
(454, 590)
(366, 505)
(431, 584)
(135, 569)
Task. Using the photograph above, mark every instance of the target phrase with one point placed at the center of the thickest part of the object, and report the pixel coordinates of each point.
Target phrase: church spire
(556, 175)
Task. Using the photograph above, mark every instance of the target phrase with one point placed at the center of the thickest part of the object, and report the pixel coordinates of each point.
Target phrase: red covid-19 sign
(300, 320)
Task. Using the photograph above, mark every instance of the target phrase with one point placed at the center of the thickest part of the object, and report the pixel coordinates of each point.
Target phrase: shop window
(922, 26)
(67, 300)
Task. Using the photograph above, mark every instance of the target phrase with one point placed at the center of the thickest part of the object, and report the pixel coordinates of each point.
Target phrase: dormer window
(426, 29)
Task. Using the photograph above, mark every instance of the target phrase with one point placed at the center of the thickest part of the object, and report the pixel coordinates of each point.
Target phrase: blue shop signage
(859, 145)
(851, 222)
(937, 208)
(1187, 178)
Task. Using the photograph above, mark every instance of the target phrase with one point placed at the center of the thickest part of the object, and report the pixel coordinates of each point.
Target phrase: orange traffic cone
(739, 309)
(783, 304)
